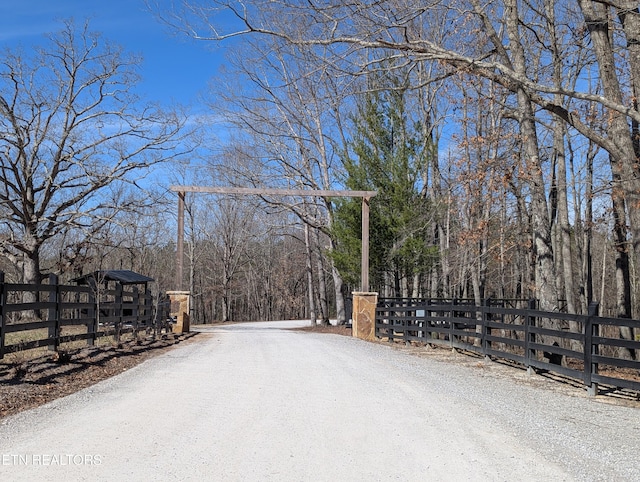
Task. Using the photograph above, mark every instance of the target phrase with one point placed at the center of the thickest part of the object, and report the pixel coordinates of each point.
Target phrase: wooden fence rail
(585, 347)
(50, 314)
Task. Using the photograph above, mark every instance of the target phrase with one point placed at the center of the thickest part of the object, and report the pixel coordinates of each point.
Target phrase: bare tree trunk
(588, 235)
(310, 290)
(623, 158)
(226, 308)
(444, 239)
(623, 280)
(629, 15)
(323, 303)
(503, 265)
(563, 248)
(31, 268)
(626, 187)
(564, 228)
(30, 264)
(545, 270)
(404, 283)
(525, 257)
(341, 315)
(582, 227)
(415, 293)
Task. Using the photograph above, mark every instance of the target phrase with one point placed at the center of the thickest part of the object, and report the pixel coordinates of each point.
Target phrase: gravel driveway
(259, 402)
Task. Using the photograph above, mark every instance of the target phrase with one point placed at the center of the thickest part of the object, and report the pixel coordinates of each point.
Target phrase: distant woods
(505, 155)
(502, 138)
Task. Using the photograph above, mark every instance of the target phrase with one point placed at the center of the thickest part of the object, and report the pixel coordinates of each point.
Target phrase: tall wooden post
(364, 261)
(180, 242)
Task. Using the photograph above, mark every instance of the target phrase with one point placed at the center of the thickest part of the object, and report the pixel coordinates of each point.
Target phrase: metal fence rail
(533, 338)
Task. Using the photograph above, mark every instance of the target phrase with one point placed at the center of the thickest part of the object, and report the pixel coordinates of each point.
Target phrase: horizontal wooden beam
(274, 192)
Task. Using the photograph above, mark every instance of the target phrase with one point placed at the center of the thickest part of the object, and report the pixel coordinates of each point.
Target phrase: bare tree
(310, 283)
(488, 45)
(291, 113)
(71, 130)
(235, 227)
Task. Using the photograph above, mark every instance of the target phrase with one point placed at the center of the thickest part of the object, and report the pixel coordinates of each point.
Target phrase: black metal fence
(584, 347)
(51, 314)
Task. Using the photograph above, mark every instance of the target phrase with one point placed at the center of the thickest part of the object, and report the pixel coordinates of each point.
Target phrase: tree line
(519, 118)
(501, 136)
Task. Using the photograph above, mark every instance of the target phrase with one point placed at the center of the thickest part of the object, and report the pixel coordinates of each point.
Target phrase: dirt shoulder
(30, 383)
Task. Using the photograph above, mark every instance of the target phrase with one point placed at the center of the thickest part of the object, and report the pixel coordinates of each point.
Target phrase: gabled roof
(123, 276)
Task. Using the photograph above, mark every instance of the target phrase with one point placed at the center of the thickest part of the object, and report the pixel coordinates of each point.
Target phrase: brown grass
(21, 355)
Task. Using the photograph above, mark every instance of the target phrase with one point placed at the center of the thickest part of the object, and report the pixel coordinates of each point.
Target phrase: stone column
(179, 310)
(364, 315)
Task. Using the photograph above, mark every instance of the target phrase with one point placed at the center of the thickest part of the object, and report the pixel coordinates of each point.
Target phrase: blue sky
(175, 68)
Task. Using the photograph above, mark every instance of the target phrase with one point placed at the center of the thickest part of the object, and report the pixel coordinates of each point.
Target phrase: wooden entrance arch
(365, 195)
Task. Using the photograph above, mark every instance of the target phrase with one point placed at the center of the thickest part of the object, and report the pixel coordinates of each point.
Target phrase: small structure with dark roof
(122, 276)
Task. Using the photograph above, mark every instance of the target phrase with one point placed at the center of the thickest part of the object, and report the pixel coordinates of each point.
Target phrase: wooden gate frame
(365, 195)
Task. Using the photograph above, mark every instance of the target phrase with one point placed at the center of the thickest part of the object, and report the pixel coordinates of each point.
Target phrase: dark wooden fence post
(135, 311)
(391, 322)
(422, 322)
(591, 330)
(148, 309)
(451, 315)
(2, 317)
(426, 334)
(92, 314)
(406, 314)
(118, 311)
(158, 316)
(54, 313)
(529, 335)
(486, 329)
